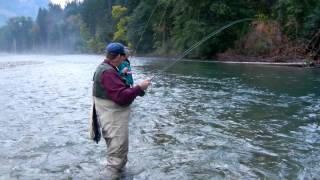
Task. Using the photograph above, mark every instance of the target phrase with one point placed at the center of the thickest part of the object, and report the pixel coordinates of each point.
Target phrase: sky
(61, 2)
(29, 8)
(13, 8)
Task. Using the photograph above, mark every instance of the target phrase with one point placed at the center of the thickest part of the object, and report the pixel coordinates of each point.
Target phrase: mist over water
(197, 121)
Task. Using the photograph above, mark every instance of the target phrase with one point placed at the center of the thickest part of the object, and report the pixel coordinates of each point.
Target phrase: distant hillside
(12, 8)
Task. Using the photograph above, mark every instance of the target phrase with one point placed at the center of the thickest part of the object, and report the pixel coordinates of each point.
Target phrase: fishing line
(145, 27)
(200, 42)
(140, 38)
(164, 13)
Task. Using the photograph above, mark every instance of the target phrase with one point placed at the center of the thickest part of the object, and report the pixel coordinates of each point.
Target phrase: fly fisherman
(111, 107)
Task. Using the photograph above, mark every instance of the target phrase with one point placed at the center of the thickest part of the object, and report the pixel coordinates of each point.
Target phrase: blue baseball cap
(115, 48)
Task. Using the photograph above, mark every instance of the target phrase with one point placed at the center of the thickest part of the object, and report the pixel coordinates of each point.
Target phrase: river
(199, 120)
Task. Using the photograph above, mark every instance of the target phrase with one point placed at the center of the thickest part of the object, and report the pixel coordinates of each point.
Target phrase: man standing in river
(112, 99)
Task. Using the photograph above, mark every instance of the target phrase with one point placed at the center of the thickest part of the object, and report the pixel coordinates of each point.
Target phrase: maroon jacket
(116, 89)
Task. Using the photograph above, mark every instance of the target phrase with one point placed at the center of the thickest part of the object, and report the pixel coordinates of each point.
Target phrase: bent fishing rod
(180, 57)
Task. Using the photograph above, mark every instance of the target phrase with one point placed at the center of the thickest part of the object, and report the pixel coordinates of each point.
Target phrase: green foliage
(221, 9)
(262, 17)
(17, 34)
(118, 13)
(54, 30)
(120, 34)
(84, 32)
(95, 45)
(167, 27)
(293, 15)
(141, 32)
(312, 22)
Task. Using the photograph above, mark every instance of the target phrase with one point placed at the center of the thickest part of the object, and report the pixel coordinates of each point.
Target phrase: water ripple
(197, 121)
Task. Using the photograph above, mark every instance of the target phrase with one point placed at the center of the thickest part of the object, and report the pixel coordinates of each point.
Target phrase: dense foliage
(162, 27)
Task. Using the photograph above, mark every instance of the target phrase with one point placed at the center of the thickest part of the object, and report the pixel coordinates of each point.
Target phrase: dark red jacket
(116, 89)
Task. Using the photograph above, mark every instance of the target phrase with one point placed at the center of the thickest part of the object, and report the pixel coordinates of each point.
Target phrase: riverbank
(218, 59)
(292, 64)
(296, 59)
(241, 60)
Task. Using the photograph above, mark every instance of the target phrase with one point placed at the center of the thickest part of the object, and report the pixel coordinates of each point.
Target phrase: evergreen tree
(163, 27)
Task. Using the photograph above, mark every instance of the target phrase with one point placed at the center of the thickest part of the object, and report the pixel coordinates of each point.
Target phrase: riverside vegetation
(282, 30)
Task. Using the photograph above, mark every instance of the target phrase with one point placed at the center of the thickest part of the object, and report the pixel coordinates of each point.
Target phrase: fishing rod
(199, 43)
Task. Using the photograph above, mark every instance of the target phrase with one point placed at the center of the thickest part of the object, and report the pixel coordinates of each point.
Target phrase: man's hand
(126, 71)
(144, 84)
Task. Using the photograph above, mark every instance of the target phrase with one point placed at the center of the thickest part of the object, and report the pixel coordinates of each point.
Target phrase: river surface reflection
(199, 120)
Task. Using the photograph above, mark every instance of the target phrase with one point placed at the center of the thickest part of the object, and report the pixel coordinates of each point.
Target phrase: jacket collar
(108, 62)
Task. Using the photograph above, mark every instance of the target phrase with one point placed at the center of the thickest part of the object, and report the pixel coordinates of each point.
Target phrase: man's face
(120, 59)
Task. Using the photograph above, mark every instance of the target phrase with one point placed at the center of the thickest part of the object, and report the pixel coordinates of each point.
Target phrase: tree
(163, 27)
(17, 34)
(42, 21)
(118, 14)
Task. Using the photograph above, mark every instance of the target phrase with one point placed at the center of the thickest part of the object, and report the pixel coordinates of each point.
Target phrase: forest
(169, 27)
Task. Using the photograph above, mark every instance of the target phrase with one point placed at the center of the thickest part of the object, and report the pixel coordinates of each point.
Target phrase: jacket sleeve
(117, 91)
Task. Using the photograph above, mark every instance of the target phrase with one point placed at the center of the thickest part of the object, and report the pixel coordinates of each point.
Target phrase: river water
(198, 120)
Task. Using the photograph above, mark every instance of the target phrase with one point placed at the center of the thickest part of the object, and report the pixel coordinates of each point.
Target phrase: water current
(199, 120)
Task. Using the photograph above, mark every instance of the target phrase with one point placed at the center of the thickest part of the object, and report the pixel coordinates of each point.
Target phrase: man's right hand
(144, 84)
(125, 70)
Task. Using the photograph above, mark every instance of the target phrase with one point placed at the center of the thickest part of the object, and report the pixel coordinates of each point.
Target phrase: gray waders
(114, 121)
